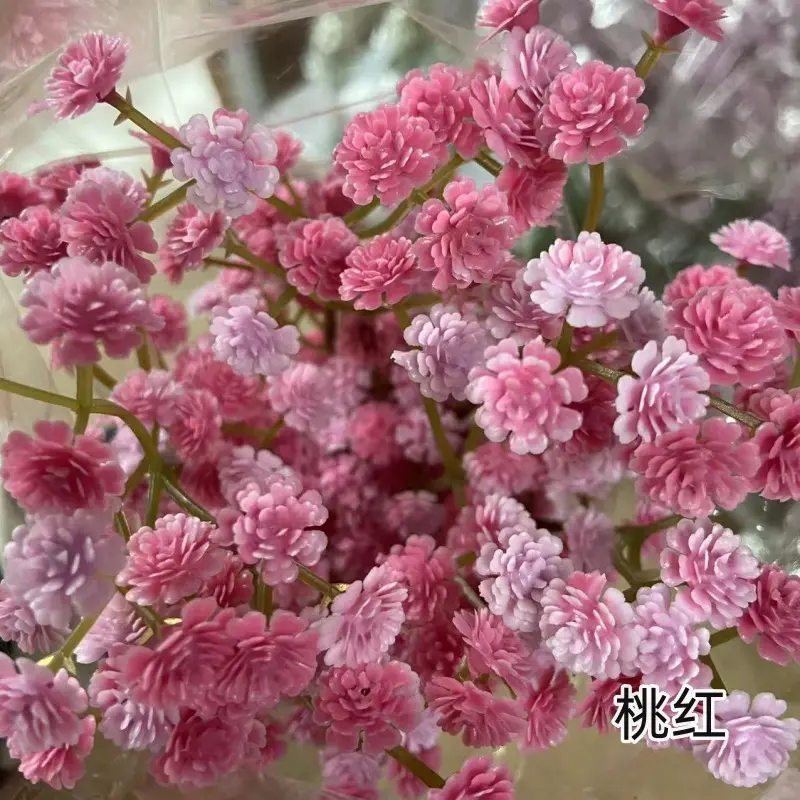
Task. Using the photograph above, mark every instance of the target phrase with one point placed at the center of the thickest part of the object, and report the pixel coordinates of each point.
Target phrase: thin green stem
(596, 194)
(137, 428)
(128, 111)
(122, 526)
(360, 213)
(489, 164)
(564, 344)
(268, 437)
(286, 297)
(236, 249)
(262, 594)
(716, 681)
(42, 395)
(312, 580)
(58, 659)
(466, 560)
(600, 342)
(166, 204)
(474, 438)
(721, 637)
(451, 462)
(103, 377)
(154, 498)
(648, 60)
(186, 502)
(137, 476)
(468, 592)
(636, 531)
(794, 381)
(143, 354)
(298, 201)
(417, 767)
(284, 207)
(84, 396)
(397, 216)
(224, 262)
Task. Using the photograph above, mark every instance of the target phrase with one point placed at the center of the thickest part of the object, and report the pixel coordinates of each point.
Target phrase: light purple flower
(648, 322)
(302, 395)
(513, 314)
(590, 538)
(17, 624)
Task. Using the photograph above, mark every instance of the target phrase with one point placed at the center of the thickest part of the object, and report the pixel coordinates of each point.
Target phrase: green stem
(166, 204)
(143, 354)
(648, 60)
(720, 637)
(59, 658)
(489, 164)
(84, 396)
(268, 437)
(600, 342)
(312, 580)
(564, 344)
(417, 767)
(794, 381)
(468, 592)
(262, 594)
(223, 262)
(154, 498)
(236, 249)
(474, 438)
(596, 193)
(286, 297)
(716, 681)
(637, 531)
(466, 560)
(103, 377)
(298, 201)
(186, 502)
(137, 428)
(284, 207)
(127, 110)
(122, 526)
(137, 476)
(42, 395)
(452, 465)
(397, 216)
(360, 213)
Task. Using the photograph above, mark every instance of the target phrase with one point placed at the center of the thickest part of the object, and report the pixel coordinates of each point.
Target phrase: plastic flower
(778, 446)
(647, 323)
(149, 395)
(688, 282)
(175, 328)
(85, 74)
(411, 512)
(79, 306)
(594, 282)
(434, 649)
(450, 345)
(492, 468)
(289, 150)
(384, 267)
(590, 111)
(677, 16)
(478, 779)
(18, 625)
(302, 395)
(231, 159)
(513, 314)
(734, 330)
(195, 428)
(503, 15)
(787, 309)
(31, 243)
(666, 393)
(465, 237)
(54, 473)
(534, 193)
(596, 433)
(598, 707)
(192, 235)
(718, 571)
(364, 620)
(371, 703)
(758, 741)
(523, 398)
(386, 154)
(697, 467)
(371, 433)
(477, 525)
(549, 704)
(590, 538)
(415, 438)
(754, 242)
(589, 627)
(117, 624)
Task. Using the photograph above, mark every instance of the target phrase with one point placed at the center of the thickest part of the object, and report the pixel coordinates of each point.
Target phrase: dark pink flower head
(549, 704)
(754, 242)
(99, 221)
(56, 179)
(535, 192)
(86, 72)
(150, 395)
(18, 624)
(774, 616)
(688, 282)
(31, 243)
(491, 467)
(38, 710)
(593, 282)
(465, 238)
(677, 16)
(159, 152)
(175, 331)
(54, 473)
(523, 398)
(589, 627)
(313, 252)
(697, 467)
(596, 433)
(589, 113)
(442, 99)
(371, 703)
(484, 719)
(386, 153)
(191, 236)
(289, 150)
(230, 158)
(590, 539)
(371, 433)
(434, 649)
(598, 707)
(734, 330)
(478, 779)
(758, 741)
(503, 15)
(666, 392)
(513, 314)
(382, 270)
(16, 194)
(715, 572)
(411, 512)
(195, 430)
(232, 586)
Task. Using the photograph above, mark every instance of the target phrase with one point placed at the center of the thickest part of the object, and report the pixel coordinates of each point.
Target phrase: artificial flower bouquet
(367, 506)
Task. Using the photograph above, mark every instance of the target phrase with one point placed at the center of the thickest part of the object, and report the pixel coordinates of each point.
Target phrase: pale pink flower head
(491, 467)
(677, 16)
(697, 467)
(478, 525)
(60, 564)
(364, 620)
(754, 242)
(314, 254)
(150, 395)
(192, 235)
(589, 627)
(302, 395)
(289, 150)
(535, 192)
(85, 74)
(549, 704)
(647, 323)
(382, 270)
(54, 472)
(243, 465)
(503, 15)
(594, 282)
(774, 616)
(387, 154)
(758, 741)
(175, 328)
(715, 572)
(465, 237)
(590, 539)
(18, 624)
(38, 710)
(484, 719)
(513, 314)
(371, 703)
(31, 243)
(230, 158)
(523, 399)
(478, 778)
(516, 573)
(787, 309)
(778, 443)
(79, 306)
(666, 393)
(589, 113)
(371, 433)
(734, 330)
(450, 345)
(195, 430)
(688, 282)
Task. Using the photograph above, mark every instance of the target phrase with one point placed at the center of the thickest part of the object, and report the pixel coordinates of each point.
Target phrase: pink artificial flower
(159, 152)
(486, 720)
(513, 314)
(371, 433)
(369, 339)
(175, 330)
(787, 309)
(688, 282)
(493, 468)
(758, 741)
(588, 473)
(343, 771)
(451, 344)
(434, 649)
(79, 306)
(478, 779)
(372, 704)
(384, 266)
(386, 153)
(596, 433)
(195, 429)
(232, 586)
(117, 624)
(302, 395)
(590, 538)
(53, 472)
(192, 235)
(406, 784)
(231, 159)
(517, 572)
(99, 221)
(549, 703)
(31, 243)
(594, 282)
(16, 194)
(86, 73)
(503, 15)
(242, 466)
(697, 467)
(589, 627)
(56, 179)
(150, 395)
(666, 393)
(289, 150)
(647, 323)
(410, 512)
(715, 572)
(734, 330)
(598, 707)
(677, 16)
(415, 438)
(523, 398)
(38, 710)
(534, 193)
(314, 254)
(465, 237)
(777, 476)
(364, 620)
(442, 99)
(483, 523)
(754, 242)
(18, 624)
(774, 616)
